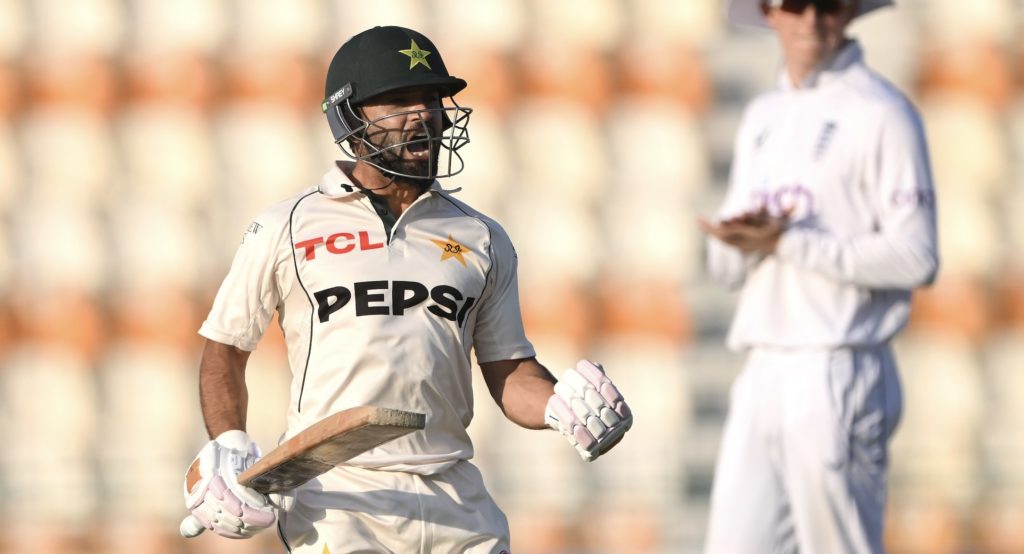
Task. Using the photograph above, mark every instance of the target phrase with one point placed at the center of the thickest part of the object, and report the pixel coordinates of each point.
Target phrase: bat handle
(191, 527)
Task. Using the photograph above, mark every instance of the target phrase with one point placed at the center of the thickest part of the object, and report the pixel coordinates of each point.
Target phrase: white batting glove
(588, 410)
(212, 493)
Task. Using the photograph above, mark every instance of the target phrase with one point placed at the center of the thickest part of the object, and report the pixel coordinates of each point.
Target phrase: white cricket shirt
(373, 320)
(846, 152)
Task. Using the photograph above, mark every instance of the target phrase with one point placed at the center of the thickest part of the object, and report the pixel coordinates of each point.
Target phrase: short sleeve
(499, 333)
(249, 295)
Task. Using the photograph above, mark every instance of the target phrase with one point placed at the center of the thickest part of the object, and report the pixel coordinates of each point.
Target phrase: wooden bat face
(327, 443)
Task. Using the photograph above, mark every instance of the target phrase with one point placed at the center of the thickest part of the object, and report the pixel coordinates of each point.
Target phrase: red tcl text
(338, 243)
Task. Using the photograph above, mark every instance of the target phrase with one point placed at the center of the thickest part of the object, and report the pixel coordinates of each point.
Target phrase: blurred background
(138, 138)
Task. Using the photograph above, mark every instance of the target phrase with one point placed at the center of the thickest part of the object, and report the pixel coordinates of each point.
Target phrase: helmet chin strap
(420, 183)
(390, 182)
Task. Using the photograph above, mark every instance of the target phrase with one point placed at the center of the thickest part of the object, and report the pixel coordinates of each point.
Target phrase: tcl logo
(339, 243)
(394, 298)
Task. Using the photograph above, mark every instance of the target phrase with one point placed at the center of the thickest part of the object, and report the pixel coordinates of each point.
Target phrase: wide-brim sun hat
(748, 12)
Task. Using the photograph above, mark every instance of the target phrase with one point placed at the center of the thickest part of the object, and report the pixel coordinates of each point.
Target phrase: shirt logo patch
(451, 248)
(394, 298)
(416, 55)
(251, 230)
(338, 243)
(827, 132)
(760, 138)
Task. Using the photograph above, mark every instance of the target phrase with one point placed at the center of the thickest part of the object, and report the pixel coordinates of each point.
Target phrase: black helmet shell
(383, 59)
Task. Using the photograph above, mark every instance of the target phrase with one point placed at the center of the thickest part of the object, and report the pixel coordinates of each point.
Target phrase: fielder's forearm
(222, 392)
(727, 265)
(521, 388)
(898, 260)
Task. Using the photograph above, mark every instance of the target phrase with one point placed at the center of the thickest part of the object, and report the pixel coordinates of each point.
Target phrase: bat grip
(191, 527)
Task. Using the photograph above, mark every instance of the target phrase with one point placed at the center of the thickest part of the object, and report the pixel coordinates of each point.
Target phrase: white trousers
(802, 465)
(369, 511)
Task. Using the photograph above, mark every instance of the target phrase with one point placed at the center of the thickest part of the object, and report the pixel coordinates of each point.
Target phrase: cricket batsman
(383, 284)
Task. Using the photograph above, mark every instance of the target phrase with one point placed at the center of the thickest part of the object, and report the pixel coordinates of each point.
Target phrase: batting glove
(588, 410)
(212, 493)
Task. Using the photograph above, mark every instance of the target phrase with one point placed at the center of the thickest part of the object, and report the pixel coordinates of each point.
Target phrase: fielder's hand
(754, 232)
(588, 410)
(215, 498)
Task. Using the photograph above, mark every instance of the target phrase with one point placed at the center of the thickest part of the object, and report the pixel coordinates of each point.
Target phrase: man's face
(390, 125)
(809, 34)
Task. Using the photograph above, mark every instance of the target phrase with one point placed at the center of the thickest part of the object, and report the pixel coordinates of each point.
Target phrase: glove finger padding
(213, 495)
(560, 417)
(588, 410)
(594, 374)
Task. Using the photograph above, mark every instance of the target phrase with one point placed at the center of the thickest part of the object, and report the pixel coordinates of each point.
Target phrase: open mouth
(419, 144)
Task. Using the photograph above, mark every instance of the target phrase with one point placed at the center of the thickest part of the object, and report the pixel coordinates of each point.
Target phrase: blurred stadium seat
(479, 25)
(345, 18)
(271, 26)
(168, 157)
(486, 180)
(492, 84)
(11, 178)
(196, 25)
(14, 28)
(949, 22)
(83, 143)
(682, 79)
(596, 24)
(89, 25)
(47, 386)
(57, 246)
(560, 152)
(577, 75)
(146, 439)
(267, 157)
(656, 150)
(934, 454)
(892, 41)
(969, 154)
(661, 21)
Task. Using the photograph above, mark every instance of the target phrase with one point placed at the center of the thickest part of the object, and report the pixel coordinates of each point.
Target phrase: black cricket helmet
(385, 59)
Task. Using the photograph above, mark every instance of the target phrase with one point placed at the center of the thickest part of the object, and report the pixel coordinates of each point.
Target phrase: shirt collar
(337, 184)
(849, 54)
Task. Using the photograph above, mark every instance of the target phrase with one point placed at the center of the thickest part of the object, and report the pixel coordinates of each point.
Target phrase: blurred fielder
(828, 224)
(383, 284)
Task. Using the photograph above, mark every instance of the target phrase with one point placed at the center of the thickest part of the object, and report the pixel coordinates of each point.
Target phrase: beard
(418, 173)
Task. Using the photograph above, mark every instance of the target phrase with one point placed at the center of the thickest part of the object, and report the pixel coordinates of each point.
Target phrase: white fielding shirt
(846, 153)
(370, 320)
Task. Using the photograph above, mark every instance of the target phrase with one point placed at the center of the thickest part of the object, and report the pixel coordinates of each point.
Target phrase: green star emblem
(416, 55)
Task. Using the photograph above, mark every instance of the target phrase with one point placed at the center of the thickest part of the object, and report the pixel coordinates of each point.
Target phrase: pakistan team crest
(451, 248)
(417, 55)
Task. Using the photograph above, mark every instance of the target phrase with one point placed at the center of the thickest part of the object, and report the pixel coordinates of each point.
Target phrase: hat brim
(748, 12)
(450, 85)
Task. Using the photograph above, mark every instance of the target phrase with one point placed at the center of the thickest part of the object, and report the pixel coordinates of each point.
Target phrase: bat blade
(327, 443)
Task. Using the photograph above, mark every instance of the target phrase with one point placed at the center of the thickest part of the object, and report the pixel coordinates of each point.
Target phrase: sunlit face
(401, 116)
(811, 36)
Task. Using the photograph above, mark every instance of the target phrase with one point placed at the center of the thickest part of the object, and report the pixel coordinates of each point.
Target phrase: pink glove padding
(588, 410)
(212, 493)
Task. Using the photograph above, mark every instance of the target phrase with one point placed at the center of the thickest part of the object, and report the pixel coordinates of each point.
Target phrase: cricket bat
(327, 443)
(318, 448)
